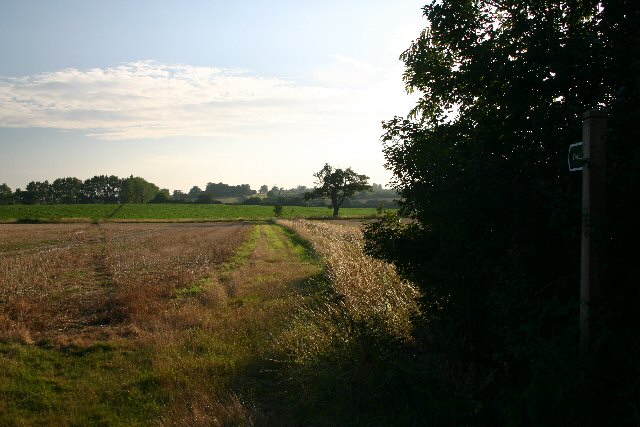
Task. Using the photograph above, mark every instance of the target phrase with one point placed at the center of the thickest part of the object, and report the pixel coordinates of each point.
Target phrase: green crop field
(10, 213)
(164, 212)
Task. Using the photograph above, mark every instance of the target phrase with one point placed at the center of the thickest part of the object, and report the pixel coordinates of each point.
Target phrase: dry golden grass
(368, 289)
(14, 331)
(337, 359)
(204, 408)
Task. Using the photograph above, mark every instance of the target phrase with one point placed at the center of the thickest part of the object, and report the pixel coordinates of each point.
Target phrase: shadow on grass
(369, 379)
(32, 221)
(331, 364)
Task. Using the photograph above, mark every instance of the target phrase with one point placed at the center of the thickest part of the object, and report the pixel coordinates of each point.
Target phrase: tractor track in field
(113, 213)
(105, 278)
(99, 292)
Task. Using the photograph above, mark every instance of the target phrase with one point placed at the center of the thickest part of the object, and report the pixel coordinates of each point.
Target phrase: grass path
(255, 294)
(200, 363)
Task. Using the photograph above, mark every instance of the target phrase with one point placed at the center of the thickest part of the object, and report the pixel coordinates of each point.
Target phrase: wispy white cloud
(151, 100)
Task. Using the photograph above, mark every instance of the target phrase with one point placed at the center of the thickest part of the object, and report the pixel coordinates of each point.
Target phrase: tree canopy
(66, 190)
(102, 189)
(111, 189)
(6, 195)
(337, 185)
(480, 165)
(225, 190)
(137, 190)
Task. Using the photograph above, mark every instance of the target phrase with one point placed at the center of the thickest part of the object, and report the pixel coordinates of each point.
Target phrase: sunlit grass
(208, 368)
(103, 384)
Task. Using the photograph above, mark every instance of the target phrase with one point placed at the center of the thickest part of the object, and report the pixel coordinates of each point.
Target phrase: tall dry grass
(366, 289)
(346, 354)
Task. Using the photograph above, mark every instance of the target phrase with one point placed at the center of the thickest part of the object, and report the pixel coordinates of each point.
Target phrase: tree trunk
(335, 211)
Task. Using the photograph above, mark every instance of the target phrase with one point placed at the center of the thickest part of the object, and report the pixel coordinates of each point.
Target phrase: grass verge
(346, 355)
(103, 384)
(211, 370)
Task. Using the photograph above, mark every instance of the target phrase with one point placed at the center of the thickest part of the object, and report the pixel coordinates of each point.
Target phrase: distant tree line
(379, 197)
(99, 189)
(280, 196)
(212, 193)
(112, 189)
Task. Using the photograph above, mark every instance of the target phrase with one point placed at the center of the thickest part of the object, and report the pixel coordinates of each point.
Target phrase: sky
(183, 93)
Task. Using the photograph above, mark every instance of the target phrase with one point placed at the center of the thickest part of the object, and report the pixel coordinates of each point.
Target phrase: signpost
(589, 156)
(576, 159)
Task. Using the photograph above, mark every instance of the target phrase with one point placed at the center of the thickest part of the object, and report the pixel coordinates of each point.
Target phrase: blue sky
(188, 92)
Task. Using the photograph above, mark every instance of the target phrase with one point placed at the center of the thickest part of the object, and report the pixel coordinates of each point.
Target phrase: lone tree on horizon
(337, 185)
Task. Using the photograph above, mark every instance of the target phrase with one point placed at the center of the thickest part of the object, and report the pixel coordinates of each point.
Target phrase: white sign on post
(576, 159)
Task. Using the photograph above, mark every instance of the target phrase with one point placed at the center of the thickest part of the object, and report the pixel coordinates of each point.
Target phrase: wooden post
(593, 217)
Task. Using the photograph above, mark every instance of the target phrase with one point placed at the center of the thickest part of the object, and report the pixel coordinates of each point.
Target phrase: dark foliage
(98, 189)
(6, 195)
(67, 190)
(207, 199)
(111, 189)
(162, 196)
(480, 165)
(137, 190)
(102, 189)
(252, 201)
(225, 190)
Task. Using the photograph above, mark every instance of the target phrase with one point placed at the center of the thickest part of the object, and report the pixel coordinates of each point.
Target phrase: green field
(9, 213)
(164, 212)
